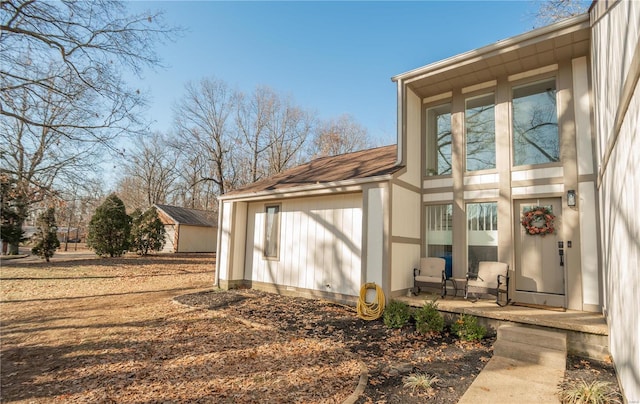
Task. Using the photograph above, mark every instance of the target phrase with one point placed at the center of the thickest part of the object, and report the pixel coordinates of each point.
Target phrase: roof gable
(185, 216)
(357, 165)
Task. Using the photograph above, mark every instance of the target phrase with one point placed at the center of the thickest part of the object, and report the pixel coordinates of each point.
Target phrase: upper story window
(480, 129)
(439, 140)
(535, 124)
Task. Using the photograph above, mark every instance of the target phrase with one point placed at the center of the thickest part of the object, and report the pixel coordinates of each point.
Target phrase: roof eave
(350, 185)
(546, 32)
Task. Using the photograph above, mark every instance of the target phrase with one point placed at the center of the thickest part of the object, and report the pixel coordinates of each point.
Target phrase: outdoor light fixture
(571, 198)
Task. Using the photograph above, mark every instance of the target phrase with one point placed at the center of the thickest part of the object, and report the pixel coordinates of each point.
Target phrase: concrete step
(533, 337)
(532, 345)
(538, 355)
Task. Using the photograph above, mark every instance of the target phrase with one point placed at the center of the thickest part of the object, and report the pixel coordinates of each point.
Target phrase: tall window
(535, 124)
(440, 233)
(272, 232)
(480, 128)
(482, 233)
(439, 140)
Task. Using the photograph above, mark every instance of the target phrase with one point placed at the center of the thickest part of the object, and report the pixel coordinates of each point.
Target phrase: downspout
(400, 122)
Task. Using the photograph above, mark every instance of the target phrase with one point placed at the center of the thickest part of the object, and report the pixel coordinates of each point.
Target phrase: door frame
(528, 297)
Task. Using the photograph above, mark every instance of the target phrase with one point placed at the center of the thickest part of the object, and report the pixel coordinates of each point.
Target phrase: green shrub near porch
(396, 314)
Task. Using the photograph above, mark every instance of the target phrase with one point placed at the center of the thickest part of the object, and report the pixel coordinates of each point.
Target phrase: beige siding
(404, 258)
(320, 244)
(197, 238)
(413, 161)
(616, 66)
(406, 213)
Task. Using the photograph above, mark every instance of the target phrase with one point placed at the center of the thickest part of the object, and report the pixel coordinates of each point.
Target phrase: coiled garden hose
(370, 311)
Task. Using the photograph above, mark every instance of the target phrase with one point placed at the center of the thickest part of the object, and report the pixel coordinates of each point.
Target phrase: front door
(539, 267)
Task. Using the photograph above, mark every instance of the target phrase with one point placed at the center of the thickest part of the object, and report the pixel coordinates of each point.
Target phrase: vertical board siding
(615, 40)
(320, 244)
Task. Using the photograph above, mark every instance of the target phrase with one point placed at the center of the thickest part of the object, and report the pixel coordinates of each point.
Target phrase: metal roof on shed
(193, 217)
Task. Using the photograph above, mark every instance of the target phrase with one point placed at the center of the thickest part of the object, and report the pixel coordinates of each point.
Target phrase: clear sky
(330, 57)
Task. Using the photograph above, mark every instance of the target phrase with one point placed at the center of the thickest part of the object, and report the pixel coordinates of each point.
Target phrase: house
(188, 230)
(482, 138)
(546, 121)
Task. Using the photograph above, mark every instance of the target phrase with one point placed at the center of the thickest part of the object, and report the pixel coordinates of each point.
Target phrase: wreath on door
(538, 221)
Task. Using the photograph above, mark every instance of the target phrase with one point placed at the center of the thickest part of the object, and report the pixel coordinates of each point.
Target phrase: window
(272, 232)
(482, 233)
(439, 140)
(480, 128)
(535, 124)
(439, 235)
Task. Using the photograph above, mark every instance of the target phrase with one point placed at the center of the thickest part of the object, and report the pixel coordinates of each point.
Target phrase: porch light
(571, 198)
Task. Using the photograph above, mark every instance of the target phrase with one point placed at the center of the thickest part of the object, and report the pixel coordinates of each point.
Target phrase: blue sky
(330, 57)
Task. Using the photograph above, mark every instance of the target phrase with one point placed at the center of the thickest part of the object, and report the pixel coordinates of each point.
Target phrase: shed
(188, 230)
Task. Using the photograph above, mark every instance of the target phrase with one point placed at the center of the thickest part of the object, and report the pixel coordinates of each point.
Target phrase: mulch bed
(389, 354)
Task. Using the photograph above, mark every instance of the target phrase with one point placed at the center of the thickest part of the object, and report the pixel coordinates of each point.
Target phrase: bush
(429, 319)
(109, 228)
(396, 314)
(147, 231)
(467, 328)
(46, 235)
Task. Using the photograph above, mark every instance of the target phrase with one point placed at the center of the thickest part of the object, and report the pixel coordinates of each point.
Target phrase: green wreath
(538, 221)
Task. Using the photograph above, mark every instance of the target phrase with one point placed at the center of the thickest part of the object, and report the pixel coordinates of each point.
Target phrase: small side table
(455, 284)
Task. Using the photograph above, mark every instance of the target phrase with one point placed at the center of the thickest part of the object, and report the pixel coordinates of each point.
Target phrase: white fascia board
(540, 34)
(322, 188)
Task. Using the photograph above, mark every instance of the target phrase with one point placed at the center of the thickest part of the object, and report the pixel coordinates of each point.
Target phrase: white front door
(539, 265)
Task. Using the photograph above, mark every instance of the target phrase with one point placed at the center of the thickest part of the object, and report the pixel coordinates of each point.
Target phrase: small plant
(582, 392)
(429, 319)
(421, 381)
(466, 327)
(396, 314)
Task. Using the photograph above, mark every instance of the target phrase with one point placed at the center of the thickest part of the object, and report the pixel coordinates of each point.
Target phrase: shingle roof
(356, 165)
(187, 216)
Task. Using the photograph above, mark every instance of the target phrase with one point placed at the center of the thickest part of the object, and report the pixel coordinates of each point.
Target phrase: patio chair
(431, 274)
(492, 279)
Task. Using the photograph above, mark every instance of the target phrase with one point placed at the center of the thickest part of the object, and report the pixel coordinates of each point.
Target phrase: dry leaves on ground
(106, 330)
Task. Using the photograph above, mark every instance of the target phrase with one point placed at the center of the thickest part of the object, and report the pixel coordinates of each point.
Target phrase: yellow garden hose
(373, 310)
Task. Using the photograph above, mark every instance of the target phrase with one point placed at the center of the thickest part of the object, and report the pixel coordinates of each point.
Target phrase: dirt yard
(108, 330)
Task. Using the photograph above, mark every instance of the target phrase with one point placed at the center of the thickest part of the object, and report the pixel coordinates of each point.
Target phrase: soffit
(526, 52)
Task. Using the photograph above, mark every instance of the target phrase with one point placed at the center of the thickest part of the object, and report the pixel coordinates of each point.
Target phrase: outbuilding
(188, 230)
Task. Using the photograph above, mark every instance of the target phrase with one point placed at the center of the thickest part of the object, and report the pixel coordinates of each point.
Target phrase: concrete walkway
(506, 380)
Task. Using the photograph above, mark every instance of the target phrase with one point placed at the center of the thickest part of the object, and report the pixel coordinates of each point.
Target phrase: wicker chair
(492, 279)
(430, 275)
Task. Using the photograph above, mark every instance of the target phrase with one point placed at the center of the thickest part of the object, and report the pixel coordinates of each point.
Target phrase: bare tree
(204, 119)
(191, 190)
(288, 129)
(150, 173)
(339, 136)
(252, 121)
(550, 11)
(62, 95)
(86, 46)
